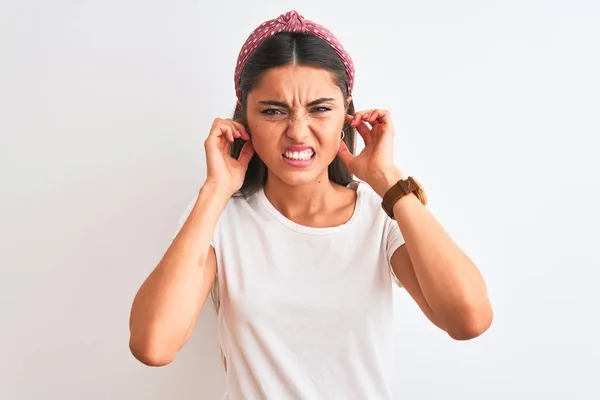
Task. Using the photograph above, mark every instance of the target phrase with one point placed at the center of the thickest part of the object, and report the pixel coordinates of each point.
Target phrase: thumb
(246, 153)
(344, 154)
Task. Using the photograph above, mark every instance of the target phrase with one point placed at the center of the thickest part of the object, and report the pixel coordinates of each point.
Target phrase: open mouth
(303, 155)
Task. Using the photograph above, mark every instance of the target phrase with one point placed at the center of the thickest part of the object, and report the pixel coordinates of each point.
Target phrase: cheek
(330, 124)
(328, 146)
(263, 138)
(329, 132)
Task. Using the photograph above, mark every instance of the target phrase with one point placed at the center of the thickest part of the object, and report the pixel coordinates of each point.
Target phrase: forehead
(297, 82)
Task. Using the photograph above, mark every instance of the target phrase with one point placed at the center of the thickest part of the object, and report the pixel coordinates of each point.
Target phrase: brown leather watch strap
(400, 189)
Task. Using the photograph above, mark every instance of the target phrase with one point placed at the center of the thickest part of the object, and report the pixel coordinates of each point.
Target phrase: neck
(300, 200)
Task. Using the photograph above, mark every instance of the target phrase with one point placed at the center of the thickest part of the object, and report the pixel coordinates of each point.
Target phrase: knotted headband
(290, 22)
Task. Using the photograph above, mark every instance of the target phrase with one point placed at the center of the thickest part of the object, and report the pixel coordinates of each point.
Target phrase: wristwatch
(400, 189)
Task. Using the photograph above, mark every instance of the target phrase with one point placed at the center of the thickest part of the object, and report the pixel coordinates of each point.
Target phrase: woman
(304, 256)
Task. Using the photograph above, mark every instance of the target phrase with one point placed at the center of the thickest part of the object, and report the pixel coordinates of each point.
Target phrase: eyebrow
(285, 105)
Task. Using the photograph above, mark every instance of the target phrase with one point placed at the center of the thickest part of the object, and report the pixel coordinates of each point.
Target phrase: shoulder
(369, 206)
(240, 212)
(372, 210)
(241, 203)
(369, 198)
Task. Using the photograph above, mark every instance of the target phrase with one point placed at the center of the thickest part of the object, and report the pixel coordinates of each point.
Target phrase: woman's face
(295, 116)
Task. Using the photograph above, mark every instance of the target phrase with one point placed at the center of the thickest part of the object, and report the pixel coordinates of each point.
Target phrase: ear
(348, 100)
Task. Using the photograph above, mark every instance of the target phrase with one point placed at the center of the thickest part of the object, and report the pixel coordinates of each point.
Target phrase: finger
(344, 154)
(228, 131)
(241, 129)
(246, 153)
(224, 128)
(225, 146)
(220, 129)
(359, 116)
(364, 131)
(357, 122)
(217, 140)
(379, 117)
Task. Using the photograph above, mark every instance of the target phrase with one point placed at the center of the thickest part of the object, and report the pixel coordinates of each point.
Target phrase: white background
(104, 107)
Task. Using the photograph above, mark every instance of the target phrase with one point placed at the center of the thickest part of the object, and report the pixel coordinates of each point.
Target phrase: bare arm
(436, 272)
(443, 281)
(169, 301)
(405, 272)
(439, 276)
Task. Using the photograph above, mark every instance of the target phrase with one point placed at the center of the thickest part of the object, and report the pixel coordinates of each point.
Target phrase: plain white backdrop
(104, 107)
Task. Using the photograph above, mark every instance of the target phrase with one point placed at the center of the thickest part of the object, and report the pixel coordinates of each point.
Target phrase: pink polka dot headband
(290, 22)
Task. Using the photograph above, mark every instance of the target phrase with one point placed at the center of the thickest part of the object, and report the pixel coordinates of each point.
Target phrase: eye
(321, 109)
(271, 111)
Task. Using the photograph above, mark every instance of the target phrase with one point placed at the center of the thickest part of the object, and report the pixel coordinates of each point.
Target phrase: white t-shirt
(306, 313)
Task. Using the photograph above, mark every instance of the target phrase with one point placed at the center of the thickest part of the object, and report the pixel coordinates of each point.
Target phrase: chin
(298, 179)
(297, 175)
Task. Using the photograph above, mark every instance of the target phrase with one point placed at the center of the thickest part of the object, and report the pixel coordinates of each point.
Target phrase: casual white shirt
(306, 313)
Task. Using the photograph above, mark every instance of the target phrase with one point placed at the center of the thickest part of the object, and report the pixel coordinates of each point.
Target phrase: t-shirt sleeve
(394, 239)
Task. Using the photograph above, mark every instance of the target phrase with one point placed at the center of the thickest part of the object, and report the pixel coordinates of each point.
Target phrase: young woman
(305, 257)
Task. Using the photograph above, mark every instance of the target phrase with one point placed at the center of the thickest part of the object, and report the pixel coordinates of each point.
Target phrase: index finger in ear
(241, 129)
(364, 131)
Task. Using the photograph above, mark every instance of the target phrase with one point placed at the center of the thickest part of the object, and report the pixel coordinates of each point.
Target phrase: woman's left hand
(375, 163)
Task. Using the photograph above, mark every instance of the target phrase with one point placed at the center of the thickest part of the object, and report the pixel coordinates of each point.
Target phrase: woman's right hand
(224, 171)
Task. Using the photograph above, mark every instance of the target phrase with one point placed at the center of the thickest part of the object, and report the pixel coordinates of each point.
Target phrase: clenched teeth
(299, 155)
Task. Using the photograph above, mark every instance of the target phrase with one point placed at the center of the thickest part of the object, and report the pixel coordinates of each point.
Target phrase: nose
(298, 129)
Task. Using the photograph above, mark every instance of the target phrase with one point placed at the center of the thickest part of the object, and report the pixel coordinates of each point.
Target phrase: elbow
(150, 354)
(474, 322)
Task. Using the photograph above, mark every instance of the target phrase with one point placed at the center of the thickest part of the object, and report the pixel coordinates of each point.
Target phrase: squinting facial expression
(295, 116)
